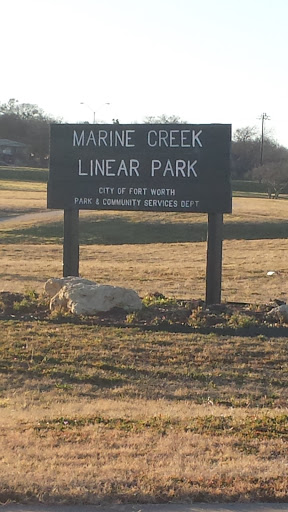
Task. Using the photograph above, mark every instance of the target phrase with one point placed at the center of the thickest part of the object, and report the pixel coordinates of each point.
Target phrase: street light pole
(263, 118)
(94, 111)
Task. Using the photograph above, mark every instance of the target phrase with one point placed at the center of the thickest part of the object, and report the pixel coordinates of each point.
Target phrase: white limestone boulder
(281, 313)
(83, 297)
(54, 285)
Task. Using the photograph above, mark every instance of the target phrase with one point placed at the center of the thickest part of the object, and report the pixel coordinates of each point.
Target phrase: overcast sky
(207, 61)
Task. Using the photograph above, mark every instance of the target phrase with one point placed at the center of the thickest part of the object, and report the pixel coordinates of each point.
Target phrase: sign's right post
(214, 258)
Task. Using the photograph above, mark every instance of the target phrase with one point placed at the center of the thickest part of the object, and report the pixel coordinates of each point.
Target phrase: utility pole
(264, 117)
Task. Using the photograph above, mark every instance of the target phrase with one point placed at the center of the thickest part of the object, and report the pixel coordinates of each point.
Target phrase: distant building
(12, 152)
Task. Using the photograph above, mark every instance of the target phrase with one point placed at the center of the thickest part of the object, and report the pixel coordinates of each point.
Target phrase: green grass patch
(261, 427)
(50, 233)
(115, 230)
(238, 371)
(23, 174)
(250, 186)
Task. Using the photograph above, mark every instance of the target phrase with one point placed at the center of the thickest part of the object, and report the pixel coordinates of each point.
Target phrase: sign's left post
(71, 243)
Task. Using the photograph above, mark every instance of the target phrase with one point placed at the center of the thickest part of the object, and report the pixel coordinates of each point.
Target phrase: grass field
(148, 251)
(94, 414)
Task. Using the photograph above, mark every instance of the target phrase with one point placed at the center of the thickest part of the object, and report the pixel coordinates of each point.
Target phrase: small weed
(197, 317)
(161, 322)
(23, 306)
(4, 402)
(136, 316)
(199, 376)
(29, 302)
(238, 320)
(64, 387)
(32, 295)
(61, 314)
(131, 318)
(158, 299)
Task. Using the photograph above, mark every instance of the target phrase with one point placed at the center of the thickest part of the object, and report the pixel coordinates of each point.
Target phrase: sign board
(173, 168)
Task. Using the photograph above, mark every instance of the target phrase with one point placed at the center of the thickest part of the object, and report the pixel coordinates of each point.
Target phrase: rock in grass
(281, 313)
(54, 285)
(83, 297)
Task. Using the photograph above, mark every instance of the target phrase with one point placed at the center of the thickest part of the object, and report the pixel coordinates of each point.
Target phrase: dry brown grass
(25, 198)
(172, 269)
(100, 466)
(97, 415)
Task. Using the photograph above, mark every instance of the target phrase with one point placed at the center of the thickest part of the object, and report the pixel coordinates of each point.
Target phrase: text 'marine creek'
(126, 138)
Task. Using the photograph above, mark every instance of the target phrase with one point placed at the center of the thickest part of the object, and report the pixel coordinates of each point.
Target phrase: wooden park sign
(142, 167)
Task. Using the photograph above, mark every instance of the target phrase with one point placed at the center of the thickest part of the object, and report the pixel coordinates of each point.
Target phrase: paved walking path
(34, 216)
(170, 507)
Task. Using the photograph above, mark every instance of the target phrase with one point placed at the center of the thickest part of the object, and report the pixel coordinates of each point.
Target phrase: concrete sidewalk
(169, 507)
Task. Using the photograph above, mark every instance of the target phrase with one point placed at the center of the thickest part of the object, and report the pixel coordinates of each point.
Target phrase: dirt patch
(21, 306)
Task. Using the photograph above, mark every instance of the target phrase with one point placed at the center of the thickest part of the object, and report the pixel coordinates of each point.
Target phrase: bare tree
(246, 134)
(274, 175)
(247, 151)
(244, 151)
(164, 119)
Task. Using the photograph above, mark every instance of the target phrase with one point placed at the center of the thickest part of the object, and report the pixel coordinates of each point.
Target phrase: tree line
(29, 124)
(261, 159)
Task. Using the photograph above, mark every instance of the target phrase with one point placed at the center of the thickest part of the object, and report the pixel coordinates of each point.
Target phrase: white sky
(207, 61)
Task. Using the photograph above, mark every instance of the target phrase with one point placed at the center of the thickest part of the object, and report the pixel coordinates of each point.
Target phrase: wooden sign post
(214, 258)
(71, 243)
